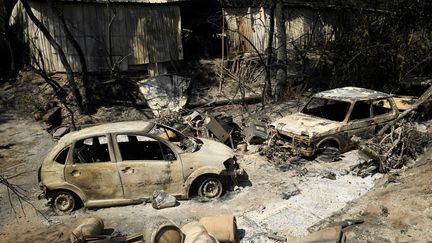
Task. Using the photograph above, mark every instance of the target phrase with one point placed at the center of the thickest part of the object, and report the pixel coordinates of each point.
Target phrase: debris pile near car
(165, 92)
(401, 146)
(193, 123)
(279, 156)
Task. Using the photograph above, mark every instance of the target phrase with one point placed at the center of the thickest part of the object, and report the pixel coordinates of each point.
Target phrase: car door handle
(127, 170)
(75, 173)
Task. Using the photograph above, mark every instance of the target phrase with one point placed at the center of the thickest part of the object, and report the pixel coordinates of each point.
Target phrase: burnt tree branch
(84, 71)
(69, 73)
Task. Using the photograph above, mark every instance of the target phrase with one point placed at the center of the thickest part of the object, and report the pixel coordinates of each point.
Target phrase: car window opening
(381, 107)
(62, 156)
(333, 110)
(361, 110)
(91, 150)
(139, 147)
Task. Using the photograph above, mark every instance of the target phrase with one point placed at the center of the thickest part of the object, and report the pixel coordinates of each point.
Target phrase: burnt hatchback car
(331, 118)
(125, 162)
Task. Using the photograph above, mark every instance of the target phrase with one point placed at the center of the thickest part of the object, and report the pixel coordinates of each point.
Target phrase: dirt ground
(397, 209)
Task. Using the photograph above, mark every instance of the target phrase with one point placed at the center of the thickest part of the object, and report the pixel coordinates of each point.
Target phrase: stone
(421, 128)
(329, 175)
(290, 191)
(60, 132)
(161, 199)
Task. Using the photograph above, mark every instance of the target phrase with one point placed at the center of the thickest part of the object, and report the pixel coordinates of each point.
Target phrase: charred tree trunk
(113, 17)
(70, 77)
(6, 11)
(268, 87)
(281, 73)
(84, 71)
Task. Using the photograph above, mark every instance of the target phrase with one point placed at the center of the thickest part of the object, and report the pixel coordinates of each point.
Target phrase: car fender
(69, 187)
(199, 172)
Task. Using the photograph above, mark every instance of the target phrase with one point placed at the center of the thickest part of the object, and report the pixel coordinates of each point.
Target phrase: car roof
(351, 94)
(114, 127)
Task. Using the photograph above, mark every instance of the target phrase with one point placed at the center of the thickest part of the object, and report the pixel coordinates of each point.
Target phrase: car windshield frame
(307, 111)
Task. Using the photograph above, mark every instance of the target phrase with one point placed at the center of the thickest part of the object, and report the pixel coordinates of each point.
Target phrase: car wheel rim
(211, 189)
(64, 202)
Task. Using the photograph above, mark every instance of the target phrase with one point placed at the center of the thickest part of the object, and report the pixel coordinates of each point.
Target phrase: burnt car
(330, 118)
(125, 162)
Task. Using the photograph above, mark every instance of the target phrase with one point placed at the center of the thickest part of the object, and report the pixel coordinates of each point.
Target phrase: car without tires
(330, 118)
(125, 162)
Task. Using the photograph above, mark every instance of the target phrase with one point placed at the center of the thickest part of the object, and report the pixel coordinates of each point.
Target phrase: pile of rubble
(400, 147)
(197, 124)
(281, 157)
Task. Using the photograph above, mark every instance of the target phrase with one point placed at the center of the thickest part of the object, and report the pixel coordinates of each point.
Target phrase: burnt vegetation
(379, 47)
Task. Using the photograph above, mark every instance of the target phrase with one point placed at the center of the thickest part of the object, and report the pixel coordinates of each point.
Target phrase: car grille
(287, 139)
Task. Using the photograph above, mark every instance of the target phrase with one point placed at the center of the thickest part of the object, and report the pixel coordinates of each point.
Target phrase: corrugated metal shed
(303, 25)
(251, 23)
(141, 33)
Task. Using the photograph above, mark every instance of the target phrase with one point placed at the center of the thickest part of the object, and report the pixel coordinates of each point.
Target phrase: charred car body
(125, 162)
(331, 118)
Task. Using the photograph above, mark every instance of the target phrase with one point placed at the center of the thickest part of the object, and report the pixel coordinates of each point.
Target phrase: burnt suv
(332, 117)
(125, 162)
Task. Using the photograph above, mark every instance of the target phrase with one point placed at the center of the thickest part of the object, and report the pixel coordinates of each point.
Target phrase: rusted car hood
(302, 124)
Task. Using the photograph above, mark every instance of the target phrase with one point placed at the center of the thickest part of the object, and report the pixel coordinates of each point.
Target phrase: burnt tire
(64, 202)
(210, 188)
(328, 153)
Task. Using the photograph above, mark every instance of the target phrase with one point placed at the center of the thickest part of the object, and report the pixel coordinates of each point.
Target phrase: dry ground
(397, 209)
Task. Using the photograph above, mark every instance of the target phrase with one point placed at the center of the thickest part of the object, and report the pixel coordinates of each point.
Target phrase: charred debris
(393, 143)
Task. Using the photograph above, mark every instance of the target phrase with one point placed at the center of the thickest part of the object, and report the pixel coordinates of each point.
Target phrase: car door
(92, 168)
(146, 164)
(384, 111)
(360, 121)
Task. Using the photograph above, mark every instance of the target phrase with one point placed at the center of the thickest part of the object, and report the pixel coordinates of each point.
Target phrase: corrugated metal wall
(140, 34)
(303, 26)
(250, 23)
